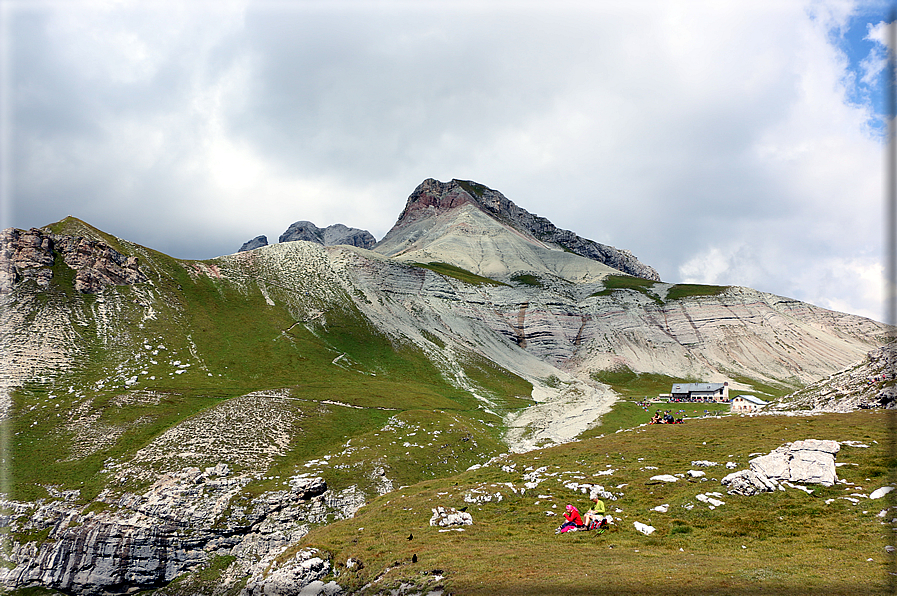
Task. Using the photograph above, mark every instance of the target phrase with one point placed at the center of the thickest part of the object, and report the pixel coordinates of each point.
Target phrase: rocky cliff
(256, 242)
(31, 254)
(432, 198)
(140, 541)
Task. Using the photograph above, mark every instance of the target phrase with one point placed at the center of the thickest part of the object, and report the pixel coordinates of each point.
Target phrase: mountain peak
(432, 199)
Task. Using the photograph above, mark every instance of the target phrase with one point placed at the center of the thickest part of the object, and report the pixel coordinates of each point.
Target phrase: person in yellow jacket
(595, 515)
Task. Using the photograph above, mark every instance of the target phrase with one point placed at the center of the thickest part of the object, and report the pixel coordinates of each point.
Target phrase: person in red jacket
(574, 521)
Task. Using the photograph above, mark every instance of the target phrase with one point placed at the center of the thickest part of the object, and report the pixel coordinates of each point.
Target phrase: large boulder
(808, 462)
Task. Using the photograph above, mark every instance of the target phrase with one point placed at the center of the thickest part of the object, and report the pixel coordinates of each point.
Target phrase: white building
(747, 403)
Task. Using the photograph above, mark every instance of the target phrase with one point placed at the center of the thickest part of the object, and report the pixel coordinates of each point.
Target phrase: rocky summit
(434, 202)
(326, 414)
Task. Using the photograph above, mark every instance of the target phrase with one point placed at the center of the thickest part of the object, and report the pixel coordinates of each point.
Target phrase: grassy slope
(235, 343)
(783, 542)
(614, 283)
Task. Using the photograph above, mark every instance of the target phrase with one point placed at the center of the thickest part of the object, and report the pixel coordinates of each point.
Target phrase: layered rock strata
(140, 541)
(868, 383)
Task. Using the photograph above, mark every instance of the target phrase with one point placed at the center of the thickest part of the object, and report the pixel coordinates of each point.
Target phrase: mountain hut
(704, 392)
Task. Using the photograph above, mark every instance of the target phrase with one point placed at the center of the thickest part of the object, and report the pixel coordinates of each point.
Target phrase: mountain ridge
(219, 410)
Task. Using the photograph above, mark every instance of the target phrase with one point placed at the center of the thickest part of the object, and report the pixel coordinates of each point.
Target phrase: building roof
(695, 387)
(752, 399)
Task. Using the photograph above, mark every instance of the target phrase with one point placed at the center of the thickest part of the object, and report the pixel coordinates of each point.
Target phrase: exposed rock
(97, 264)
(338, 234)
(643, 528)
(432, 197)
(809, 462)
(303, 231)
(257, 242)
(869, 383)
(880, 492)
(662, 478)
(748, 482)
(29, 255)
(25, 255)
(444, 517)
(334, 235)
(301, 575)
(146, 540)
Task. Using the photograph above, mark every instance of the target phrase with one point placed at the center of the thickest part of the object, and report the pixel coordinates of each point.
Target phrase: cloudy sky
(721, 142)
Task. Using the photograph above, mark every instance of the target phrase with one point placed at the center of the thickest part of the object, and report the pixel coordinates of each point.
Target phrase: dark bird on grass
(463, 508)
(414, 558)
(410, 536)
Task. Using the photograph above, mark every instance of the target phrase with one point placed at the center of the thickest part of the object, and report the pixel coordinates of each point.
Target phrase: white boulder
(644, 528)
(663, 478)
(880, 492)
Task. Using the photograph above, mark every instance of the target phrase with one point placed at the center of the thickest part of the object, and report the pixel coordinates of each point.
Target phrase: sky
(736, 143)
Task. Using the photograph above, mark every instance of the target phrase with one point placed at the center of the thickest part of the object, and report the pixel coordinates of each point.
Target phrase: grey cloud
(192, 132)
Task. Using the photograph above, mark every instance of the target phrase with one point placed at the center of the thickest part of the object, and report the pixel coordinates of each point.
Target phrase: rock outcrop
(144, 540)
(807, 462)
(334, 235)
(301, 575)
(31, 254)
(869, 383)
(257, 242)
(25, 255)
(433, 197)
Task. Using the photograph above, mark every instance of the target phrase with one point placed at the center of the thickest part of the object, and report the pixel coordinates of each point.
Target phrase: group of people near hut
(665, 418)
(594, 519)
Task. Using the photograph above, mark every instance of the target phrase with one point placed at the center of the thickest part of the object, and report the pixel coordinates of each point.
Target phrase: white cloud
(715, 141)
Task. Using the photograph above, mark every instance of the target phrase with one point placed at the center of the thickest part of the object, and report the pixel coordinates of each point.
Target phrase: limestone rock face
(25, 255)
(433, 197)
(146, 540)
(97, 264)
(29, 255)
(748, 483)
(257, 242)
(297, 576)
(334, 235)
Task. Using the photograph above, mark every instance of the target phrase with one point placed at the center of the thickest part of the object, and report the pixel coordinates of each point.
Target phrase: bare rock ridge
(433, 197)
(31, 254)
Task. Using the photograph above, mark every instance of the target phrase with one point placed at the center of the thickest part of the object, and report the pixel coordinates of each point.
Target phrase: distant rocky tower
(334, 235)
(432, 197)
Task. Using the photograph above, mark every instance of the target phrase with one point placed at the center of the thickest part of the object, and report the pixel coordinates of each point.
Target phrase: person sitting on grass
(595, 515)
(574, 521)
